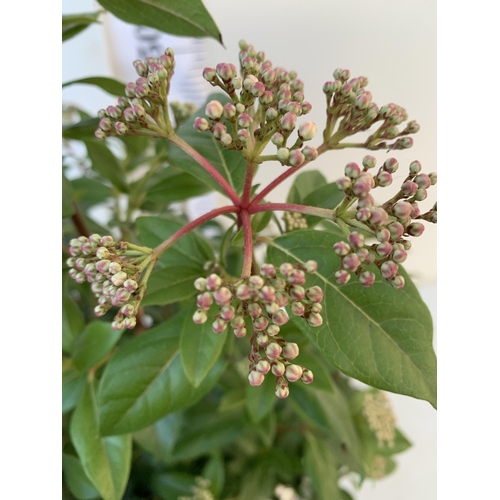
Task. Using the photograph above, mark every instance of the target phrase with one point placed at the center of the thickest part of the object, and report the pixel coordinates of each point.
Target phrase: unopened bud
(366, 278)
(273, 330)
(297, 308)
(255, 378)
(415, 229)
(315, 319)
(256, 281)
(293, 372)
(254, 310)
(273, 351)
(283, 154)
(213, 282)
(280, 317)
(369, 161)
(341, 248)
(260, 323)
(352, 170)
(119, 278)
(223, 296)
(315, 293)
(290, 350)
(398, 282)
(307, 130)
(263, 366)
(307, 376)
(282, 391)
(277, 368)
(342, 276)
(219, 325)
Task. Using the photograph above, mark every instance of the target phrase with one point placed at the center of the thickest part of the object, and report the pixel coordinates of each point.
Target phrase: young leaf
(92, 345)
(200, 347)
(215, 472)
(191, 250)
(145, 380)
(177, 187)
(109, 85)
(72, 318)
(230, 164)
(106, 461)
(73, 385)
(170, 16)
(72, 24)
(260, 400)
(304, 184)
(321, 466)
(82, 130)
(76, 479)
(379, 335)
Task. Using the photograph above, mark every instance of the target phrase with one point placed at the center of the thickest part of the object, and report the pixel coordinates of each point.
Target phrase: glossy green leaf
(67, 198)
(260, 400)
(321, 466)
(304, 184)
(329, 413)
(93, 344)
(379, 335)
(259, 482)
(77, 481)
(145, 380)
(191, 250)
(230, 164)
(106, 461)
(215, 472)
(72, 24)
(105, 163)
(172, 485)
(174, 188)
(89, 191)
(73, 385)
(207, 432)
(109, 85)
(326, 196)
(170, 16)
(200, 346)
(82, 130)
(72, 318)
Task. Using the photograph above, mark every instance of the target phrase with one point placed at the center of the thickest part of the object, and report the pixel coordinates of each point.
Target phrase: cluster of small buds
(376, 469)
(380, 417)
(294, 220)
(113, 273)
(259, 304)
(265, 104)
(142, 111)
(348, 98)
(182, 111)
(391, 223)
(201, 490)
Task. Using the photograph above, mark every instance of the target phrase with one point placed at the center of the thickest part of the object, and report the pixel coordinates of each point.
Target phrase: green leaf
(145, 380)
(72, 319)
(257, 483)
(67, 198)
(172, 485)
(321, 466)
(73, 385)
(176, 188)
(260, 400)
(105, 163)
(200, 347)
(109, 85)
(73, 24)
(328, 412)
(171, 284)
(379, 335)
(191, 250)
(82, 130)
(77, 481)
(304, 184)
(207, 432)
(106, 461)
(89, 191)
(230, 164)
(169, 16)
(326, 196)
(93, 344)
(215, 472)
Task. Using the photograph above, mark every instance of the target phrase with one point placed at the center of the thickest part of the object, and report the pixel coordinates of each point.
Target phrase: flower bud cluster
(142, 111)
(265, 105)
(294, 220)
(259, 304)
(380, 417)
(391, 223)
(182, 111)
(114, 276)
(347, 98)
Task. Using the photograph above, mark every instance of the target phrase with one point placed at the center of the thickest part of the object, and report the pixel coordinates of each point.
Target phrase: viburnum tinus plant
(220, 366)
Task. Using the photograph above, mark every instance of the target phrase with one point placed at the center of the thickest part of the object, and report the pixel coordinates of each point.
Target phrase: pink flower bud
(415, 167)
(314, 319)
(130, 322)
(357, 240)
(214, 110)
(383, 235)
(367, 278)
(120, 297)
(307, 376)
(307, 130)
(256, 281)
(341, 248)
(238, 322)
(366, 201)
(201, 124)
(281, 299)
(389, 269)
(219, 325)
(422, 181)
(268, 271)
(244, 120)
(364, 214)
(218, 130)
(280, 317)
(200, 284)
(296, 158)
(415, 229)
(273, 351)
(240, 332)
(297, 308)
(379, 216)
(288, 121)
(398, 282)
(286, 269)
(277, 368)
(399, 255)
(262, 339)
(344, 183)
(227, 313)
(396, 230)
(290, 350)
(214, 282)
(255, 378)
(267, 293)
(204, 300)
(383, 179)
(315, 293)
(263, 366)
(114, 267)
(283, 154)
(342, 276)
(260, 323)
(101, 310)
(209, 74)
(293, 372)
(107, 241)
(130, 285)
(316, 308)
(369, 161)
(254, 310)
(310, 153)
(273, 330)
(383, 249)
(297, 292)
(298, 277)
(243, 134)
(223, 296)
(121, 128)
(243, 292)
(391, 165)
(352, 170)
(119, 278)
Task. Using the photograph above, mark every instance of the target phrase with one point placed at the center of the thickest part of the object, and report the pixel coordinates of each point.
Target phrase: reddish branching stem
(248, 247)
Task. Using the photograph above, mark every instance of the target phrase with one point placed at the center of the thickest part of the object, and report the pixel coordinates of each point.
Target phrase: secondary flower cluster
(380, 417)
(348, 99)
(114, 275)
(294, 220)
(144, 109)
(258, 304)
(265, 104)
(391, 223)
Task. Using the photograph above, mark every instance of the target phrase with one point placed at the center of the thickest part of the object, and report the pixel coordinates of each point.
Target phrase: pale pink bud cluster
(260, 305)
(114, 277)
(348, 98)
(391, 223)
(273, 94)
(141, 110)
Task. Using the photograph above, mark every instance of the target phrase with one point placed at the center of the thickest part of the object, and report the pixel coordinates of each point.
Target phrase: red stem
(291, 207)
(248, 249)
(281, 178)
(207, 166)
(247, 189)
(192, 225)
